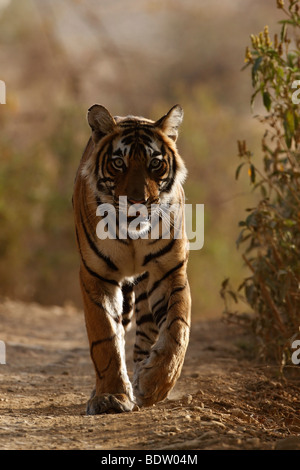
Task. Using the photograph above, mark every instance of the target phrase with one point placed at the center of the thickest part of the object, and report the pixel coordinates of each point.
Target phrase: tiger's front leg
(170, 303)
(103, 316)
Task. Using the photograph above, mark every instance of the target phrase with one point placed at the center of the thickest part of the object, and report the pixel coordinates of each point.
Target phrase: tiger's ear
(100, 121)
(171, 121)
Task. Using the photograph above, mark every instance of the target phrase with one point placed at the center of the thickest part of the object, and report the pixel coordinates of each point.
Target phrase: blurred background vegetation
(134, 57)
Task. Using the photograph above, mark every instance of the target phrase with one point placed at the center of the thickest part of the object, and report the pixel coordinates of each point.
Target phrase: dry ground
(223, 399)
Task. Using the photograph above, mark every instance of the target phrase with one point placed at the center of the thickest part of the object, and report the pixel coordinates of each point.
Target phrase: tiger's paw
(154, 379)
(108, 403)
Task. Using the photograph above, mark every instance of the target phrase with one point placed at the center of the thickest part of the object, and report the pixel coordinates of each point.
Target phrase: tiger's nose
(136, 201)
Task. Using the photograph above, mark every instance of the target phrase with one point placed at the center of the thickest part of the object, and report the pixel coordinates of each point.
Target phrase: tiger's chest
(129, 258)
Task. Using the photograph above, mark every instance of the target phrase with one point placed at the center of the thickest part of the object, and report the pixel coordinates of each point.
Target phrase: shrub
(270, 233)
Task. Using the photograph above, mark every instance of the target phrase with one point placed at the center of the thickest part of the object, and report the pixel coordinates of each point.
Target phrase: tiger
(121, 278)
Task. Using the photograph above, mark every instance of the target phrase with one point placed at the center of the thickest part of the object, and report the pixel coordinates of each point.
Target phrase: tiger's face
(134, 159)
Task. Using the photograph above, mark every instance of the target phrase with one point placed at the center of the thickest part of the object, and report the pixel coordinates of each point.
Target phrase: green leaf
(267, 100)
(290, 59)
(289, 127)
(280, 72)
(292, 22)
(289, 223)
(283, 30)
(238, 170)
(290, 120)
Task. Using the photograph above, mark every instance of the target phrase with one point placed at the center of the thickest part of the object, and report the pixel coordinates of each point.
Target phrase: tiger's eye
(155, 164)
(118, 163)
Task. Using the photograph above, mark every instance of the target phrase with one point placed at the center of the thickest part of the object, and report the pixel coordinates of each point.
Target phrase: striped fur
(137, 158)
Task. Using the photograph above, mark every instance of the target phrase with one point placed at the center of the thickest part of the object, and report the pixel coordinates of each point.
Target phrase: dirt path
(222, 401)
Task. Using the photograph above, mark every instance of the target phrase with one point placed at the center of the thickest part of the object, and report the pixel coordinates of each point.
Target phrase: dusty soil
(223, 399)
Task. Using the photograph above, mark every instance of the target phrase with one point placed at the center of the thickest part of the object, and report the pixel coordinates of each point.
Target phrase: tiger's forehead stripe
(136, 138)
(133, 122)
(106, 149)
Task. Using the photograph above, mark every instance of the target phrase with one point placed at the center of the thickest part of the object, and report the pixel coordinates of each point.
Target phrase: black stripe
(147, 318)
(160, 314)
(95, 249)
(168, 186)
(178, 289)
(92, 273)
(127, 308)
(172, 173)
(105, 179)
(128, 140)
(126, 321)
(94, 344)
(129, 130)
(140, 350)
(111, 173)
(103, 162)
(149, 132)
(174, 303)
(158, 302)
(97, 163)
(178, 319)
(100, 373)
(167, 274)
(100, 341)
(144, 335)
(141, 297)
(154, 331)
(163, 311)
(121, 240)
(134, 123)
(159, 253)
(146, 139)
(97, 166)
(141, 278)
(98, 304)
(118, 153)
(127, 290)
(101, 188)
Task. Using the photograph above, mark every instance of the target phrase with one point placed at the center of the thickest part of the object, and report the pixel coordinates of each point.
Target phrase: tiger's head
(134, 157)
